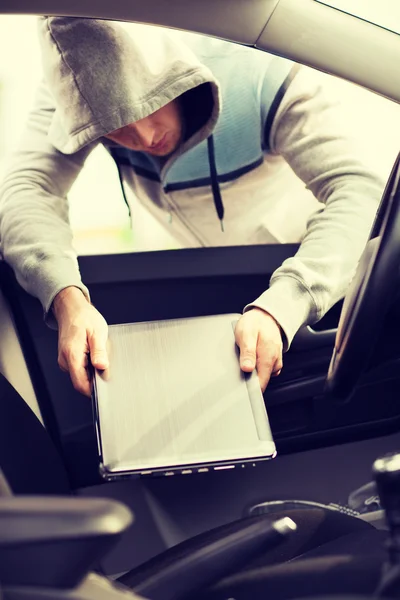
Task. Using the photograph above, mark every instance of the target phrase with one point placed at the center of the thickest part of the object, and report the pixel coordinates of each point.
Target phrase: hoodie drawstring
(219, 205)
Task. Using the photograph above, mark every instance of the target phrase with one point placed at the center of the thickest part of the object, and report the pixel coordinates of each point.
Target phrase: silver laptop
(176, 401)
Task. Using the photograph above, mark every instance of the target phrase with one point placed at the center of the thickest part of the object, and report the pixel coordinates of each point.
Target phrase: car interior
(334, 412)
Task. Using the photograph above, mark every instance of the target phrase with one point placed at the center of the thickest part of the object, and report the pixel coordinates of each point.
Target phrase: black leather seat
(325, 554)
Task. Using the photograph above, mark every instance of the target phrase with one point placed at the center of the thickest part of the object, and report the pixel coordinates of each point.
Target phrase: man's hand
(82, 332)
(259, 338)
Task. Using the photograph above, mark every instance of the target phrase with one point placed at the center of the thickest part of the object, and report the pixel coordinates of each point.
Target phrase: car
(327, 435)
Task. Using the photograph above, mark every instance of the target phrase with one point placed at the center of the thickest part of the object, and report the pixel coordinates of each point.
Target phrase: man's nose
(145, 132)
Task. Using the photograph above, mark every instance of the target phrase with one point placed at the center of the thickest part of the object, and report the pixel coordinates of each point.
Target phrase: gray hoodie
(100, 76)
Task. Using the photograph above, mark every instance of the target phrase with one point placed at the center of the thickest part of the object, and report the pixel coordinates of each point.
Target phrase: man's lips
(160, 145)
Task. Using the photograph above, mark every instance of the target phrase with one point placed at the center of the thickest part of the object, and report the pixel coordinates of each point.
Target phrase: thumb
(98, 351)
(247, 342)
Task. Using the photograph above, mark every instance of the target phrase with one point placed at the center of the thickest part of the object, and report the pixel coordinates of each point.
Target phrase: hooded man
(198, 128)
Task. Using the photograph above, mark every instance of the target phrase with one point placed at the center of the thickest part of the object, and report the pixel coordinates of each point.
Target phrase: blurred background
(98, 214)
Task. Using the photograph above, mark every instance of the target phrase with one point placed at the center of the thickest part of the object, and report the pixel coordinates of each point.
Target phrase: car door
(194, 282)
(188, 283)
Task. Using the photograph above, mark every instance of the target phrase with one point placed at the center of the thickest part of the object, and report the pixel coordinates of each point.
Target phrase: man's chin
(163, 152)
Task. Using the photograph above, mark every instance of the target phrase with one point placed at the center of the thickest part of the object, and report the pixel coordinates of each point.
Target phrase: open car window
(98, 214)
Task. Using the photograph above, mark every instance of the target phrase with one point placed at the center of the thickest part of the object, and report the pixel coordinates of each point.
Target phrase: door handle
(310, 339)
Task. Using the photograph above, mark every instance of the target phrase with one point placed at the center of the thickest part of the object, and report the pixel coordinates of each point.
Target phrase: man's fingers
(269, 362)
(81, 380)
(277, 367)
(265, 367)
(74, 359)
(259, 338)
(98, 350)
(62, 363)
(82, 338)
(247, 342)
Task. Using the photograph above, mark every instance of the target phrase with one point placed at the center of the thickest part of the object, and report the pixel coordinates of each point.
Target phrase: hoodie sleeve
(35, 235)
(310, 132)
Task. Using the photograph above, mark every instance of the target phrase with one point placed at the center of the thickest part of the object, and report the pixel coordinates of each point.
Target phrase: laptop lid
(175, 399)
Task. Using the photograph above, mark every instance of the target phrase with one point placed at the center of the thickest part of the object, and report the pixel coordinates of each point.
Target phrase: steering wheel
(370, 295)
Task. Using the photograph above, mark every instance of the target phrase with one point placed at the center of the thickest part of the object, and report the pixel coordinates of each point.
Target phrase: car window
(98, 213)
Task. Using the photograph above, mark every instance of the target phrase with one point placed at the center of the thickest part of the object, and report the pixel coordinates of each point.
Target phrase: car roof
(318, 33)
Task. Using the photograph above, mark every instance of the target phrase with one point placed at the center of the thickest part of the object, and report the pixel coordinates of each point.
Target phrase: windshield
(384, 13)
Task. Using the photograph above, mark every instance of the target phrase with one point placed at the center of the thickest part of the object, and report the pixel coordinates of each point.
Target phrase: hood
(104, 75)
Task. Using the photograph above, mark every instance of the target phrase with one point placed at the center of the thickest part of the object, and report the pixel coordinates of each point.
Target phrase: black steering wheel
(371, 293)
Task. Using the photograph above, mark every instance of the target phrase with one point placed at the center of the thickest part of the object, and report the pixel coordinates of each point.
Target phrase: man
(198, 129)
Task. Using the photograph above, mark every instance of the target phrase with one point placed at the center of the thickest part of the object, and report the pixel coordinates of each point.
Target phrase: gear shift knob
(386, 472)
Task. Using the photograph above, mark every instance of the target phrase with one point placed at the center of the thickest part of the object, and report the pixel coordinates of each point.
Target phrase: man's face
(159, 134)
